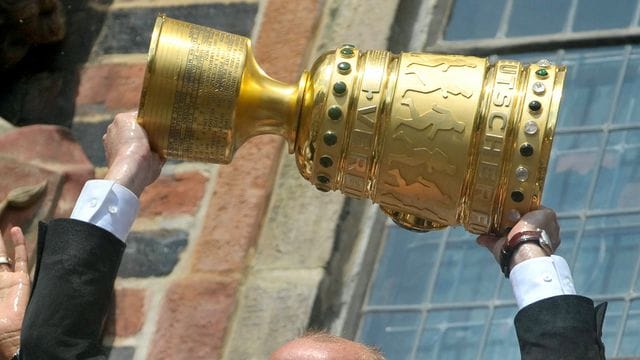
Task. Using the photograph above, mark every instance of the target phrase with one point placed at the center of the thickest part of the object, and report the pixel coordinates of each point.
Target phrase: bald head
(323, 346)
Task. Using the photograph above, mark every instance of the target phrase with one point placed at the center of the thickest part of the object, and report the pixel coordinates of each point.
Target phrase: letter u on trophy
(436, 140)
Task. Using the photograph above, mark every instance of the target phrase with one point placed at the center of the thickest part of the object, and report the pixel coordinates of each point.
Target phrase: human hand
(15, 288)
(131, 161)
(544, 219)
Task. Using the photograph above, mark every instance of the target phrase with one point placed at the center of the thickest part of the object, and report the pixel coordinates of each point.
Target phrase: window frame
(426, 34)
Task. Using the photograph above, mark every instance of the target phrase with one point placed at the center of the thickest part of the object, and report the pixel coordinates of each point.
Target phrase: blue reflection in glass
(598, 14)
(537, 17)
(393, 333)
(452, 334)
(409, 258)
(473, 19)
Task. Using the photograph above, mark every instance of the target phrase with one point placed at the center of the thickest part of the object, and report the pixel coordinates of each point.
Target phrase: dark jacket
(561, 327)
(73, 284)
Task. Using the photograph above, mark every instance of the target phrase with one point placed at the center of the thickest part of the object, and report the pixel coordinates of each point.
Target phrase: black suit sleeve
(561, 327)
(76, 269)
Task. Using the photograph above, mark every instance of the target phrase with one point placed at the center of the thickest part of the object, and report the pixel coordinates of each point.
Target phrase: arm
(553, 322)
(78, 258)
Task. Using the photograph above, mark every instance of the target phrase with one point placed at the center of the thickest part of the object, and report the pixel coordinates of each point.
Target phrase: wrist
(125, 172)
(526, 252)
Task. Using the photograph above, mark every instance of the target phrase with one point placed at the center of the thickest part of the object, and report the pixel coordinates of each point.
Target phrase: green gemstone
(344, 67)
(330, 138)
(326, 161)
(334, 112)
(348, 52)
(542, 72)
(323, 179)
(340, 88)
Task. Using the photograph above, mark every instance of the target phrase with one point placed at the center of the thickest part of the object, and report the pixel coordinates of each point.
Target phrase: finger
(486, 240)
(21, 263)
(3, 253)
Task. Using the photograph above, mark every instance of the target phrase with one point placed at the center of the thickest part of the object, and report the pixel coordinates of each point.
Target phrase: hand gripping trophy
(436, 140)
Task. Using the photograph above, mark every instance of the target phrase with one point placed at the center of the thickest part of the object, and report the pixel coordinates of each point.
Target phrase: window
(438, 295)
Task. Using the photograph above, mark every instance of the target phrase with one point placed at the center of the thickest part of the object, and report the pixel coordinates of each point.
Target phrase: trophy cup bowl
(437, 140)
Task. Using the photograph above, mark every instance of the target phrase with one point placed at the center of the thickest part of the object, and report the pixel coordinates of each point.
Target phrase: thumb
(487, 241)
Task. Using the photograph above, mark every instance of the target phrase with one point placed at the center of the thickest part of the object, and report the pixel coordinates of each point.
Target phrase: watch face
(544, 238)
(545, 242)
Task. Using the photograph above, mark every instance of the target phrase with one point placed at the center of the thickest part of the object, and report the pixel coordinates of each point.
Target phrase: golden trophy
(436, 140)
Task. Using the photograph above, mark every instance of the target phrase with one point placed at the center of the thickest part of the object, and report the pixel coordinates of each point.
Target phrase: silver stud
(531, 127)
(538, 88)
(514, 215)
(522, 174)
(544, 63)
(93, 202)
(112, 209)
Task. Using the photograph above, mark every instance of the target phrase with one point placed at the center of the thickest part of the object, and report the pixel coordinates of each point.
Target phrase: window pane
(628, 110)
(618, 185)
(502, 342)
(405, 266)
(393, 333)
(537, 17)
(473, 19)
(452, 334)
(598, 14)
(606, 260)
(455, 283)
(569, 229)
(612, 323)
(589, 86)
(574, 160)
(630, 345)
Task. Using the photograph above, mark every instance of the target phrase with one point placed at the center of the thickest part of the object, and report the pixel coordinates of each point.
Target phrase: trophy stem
(266, 105)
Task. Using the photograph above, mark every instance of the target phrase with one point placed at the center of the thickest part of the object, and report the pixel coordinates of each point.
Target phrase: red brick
(243, 188)
(172, 195)
(285, 32)
(128, 312)
(235, 212)
(115, 86)
(193, 319)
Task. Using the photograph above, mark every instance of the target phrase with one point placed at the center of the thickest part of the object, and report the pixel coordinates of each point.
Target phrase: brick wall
(198, 225)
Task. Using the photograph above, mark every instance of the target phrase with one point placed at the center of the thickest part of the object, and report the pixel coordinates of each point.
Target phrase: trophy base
(412, 222)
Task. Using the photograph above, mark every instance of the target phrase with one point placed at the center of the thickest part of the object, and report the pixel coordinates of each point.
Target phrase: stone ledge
(274, 307)
(300, 218)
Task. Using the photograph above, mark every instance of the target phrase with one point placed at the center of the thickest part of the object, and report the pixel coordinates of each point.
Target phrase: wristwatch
(538, 236)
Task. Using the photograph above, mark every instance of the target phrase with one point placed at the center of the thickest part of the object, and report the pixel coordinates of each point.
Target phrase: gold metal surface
(436, 140)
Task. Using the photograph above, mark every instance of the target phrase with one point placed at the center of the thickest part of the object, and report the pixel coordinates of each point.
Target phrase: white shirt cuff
(540, 278)
(107, 204)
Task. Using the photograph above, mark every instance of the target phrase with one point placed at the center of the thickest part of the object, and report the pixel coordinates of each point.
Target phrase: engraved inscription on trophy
(362, 137)
(492, 147)
(213, 58)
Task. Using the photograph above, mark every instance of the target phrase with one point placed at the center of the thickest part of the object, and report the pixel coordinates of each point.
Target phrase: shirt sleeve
(540, 278)
(107, 204)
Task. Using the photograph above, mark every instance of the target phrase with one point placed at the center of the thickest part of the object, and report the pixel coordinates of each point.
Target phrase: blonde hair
(325, 337)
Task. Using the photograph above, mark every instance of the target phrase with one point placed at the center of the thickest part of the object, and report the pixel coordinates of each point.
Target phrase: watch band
(540, 237)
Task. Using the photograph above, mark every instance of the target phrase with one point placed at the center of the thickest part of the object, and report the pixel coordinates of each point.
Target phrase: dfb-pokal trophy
(436, 140)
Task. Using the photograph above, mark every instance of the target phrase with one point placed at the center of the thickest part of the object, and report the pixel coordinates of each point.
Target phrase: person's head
(324, 346)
